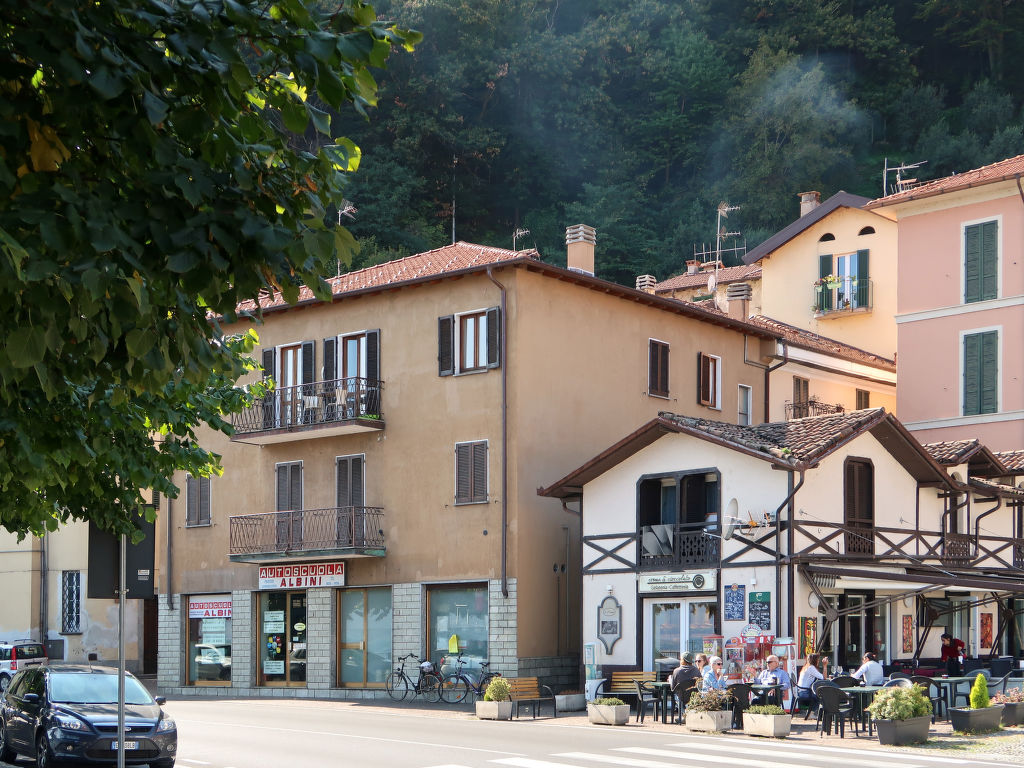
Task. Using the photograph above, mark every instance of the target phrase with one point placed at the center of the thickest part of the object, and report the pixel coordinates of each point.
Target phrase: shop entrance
(674, 626)
(282, 639)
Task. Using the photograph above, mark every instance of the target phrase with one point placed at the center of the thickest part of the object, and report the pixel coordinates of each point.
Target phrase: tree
(151, 178)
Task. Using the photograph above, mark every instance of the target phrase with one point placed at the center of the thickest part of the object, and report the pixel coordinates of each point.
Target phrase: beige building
(383, 501)
(705, 280)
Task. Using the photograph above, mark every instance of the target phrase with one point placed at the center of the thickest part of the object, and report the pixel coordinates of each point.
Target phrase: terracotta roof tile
(450, 258)
(815, 342)
(1012, 460)
(950, 452)
(700, 279)
(988, 174)
(1006, 491)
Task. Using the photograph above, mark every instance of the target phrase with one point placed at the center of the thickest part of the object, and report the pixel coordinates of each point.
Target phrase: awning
(912, 580)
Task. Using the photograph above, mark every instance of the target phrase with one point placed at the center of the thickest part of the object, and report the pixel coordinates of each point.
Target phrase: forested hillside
(639, 117)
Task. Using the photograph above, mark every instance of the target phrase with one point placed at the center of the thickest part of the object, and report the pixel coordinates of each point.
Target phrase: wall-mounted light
(610, 589)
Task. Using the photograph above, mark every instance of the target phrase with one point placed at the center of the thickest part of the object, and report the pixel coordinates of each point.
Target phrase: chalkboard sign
(761, 609)
(735, 602)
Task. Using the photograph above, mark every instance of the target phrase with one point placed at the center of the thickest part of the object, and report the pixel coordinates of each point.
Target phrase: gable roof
(798, 444)
(980, 460)
(1010, 168)
(815, 342)
(700, 279)
(996, 489)
(838, 200)
(1012, 460)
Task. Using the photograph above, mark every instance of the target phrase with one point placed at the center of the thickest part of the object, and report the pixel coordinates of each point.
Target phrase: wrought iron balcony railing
(305, 531)
(307, 405)
(812, 407)
(678, 546)
(846, 294)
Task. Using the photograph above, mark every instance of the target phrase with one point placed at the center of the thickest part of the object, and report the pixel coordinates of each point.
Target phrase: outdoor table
(863, 694)
(949, 684)
(767, 691)
(664, 689)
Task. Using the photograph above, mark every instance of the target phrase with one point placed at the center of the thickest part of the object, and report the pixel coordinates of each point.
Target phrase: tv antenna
(901, 183)
(708, 254)
(521, 232)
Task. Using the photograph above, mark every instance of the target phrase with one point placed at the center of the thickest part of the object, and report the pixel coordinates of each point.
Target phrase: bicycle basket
(426, 667)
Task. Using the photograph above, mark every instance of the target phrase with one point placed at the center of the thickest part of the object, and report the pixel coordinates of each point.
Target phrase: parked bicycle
(457, 685)
(427, 685)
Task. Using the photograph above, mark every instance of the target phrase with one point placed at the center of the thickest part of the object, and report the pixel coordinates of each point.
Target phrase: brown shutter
(282, 487)
(705, 381)
(373, 357)
(191, 500)
(479, 472)
(446, 345)
(344, 474)
(289, 487)
(204, 500)
(493, 337)
(463, 470)
(268, 363)
(657, 383)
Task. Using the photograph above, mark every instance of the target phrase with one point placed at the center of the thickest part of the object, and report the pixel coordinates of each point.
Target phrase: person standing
(870, 671)
(952, 654)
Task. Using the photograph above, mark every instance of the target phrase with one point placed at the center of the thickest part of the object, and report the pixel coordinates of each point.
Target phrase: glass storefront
(676, 626)
(364, 632)
(209, 640)
(282, 632)
(458, 614)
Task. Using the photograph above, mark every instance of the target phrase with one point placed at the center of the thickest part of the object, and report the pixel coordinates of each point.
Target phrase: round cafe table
(863, 694)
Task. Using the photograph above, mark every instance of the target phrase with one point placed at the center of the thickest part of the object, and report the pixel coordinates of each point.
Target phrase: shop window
(209, 640)
(458, 615)
(364, 637)
(282, 649)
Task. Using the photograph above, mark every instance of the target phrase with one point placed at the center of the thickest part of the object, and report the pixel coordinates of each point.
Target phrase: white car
(17, 655)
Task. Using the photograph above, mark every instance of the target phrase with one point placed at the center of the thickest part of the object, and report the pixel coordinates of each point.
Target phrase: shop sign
(210, 607)
(271, 667)
(302, 576)
(687, 581)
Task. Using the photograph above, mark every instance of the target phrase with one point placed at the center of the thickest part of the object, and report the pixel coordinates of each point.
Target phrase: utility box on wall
(105, 557)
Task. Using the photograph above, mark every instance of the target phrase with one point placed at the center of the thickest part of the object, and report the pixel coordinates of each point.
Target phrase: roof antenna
(455, 161)
(901, 183)
(521, 232)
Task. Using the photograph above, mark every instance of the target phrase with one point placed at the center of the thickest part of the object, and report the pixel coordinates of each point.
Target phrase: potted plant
(1013, 706)
(901, 715)
(608, 711)
(497, 703)
(570, 701)
(709, 711)
(767, 720)
(982, 715)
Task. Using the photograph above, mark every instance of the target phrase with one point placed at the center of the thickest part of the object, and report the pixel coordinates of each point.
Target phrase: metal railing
(305, 405)
(957, 549)
(811, 407)
(677, 546)
(843, 295)
(307, 530)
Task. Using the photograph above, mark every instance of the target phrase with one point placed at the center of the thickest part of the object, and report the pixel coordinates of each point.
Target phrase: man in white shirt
(870, 671)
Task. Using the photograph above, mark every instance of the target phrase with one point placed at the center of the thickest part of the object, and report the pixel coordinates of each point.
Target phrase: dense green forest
(638, 118)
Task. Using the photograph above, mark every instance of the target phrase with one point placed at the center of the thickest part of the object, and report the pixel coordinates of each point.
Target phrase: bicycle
(427, 685)
(456, 685)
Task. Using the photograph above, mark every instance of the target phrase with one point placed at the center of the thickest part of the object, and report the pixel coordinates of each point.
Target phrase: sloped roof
(815, 342)
(987, 174)
(1012, 460)
(700, 279)
(987, 486)
(980, 460)
(838, 200)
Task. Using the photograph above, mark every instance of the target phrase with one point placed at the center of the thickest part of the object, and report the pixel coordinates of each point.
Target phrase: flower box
(976, 720)
(772, 726)
(494, 710)
(570, 702)
(1013, 713)
(709, 721)
(896, 733)
(608, 714)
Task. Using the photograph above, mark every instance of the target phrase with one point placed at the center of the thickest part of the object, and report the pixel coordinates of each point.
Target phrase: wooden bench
(526, 690)
(622, 685)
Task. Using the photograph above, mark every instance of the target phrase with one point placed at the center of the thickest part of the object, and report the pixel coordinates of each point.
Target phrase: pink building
(960, 305)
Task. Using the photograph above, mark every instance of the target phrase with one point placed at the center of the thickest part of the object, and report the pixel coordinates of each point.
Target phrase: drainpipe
(986, 513)
(790, 540)
(767, 380)
(504, 437)
(43, 584)
(167, 555)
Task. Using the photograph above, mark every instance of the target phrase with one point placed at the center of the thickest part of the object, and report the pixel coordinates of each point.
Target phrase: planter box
(772, 726)
(604, 714)
(570, 702)
(1013, 713)
(976, 720)
(494, 710)
(709, 721)
(898, 732)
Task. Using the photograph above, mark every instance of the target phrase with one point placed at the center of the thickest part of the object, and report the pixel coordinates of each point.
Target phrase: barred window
(71, 602)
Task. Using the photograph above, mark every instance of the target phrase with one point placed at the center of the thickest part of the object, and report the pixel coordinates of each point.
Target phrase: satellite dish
(732, 520)
(712, 282)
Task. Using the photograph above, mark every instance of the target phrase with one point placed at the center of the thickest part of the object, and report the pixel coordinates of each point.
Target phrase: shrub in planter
(709, 711)
(608, 711)
(497, 703)
(982, 715)
(1013, 706)
(901, 715)
(767, 720)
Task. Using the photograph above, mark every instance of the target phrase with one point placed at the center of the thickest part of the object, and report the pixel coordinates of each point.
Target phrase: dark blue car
(69, 712)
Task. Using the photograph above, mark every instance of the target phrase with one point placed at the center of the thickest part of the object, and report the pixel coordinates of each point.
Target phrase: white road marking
(748, 761)
(702, 741)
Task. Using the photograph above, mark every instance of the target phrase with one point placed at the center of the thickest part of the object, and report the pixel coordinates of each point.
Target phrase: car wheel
(7, 754)
(5, 680)
(44, 757)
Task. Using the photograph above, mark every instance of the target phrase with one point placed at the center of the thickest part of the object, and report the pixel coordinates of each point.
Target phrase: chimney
(646, 283)
(692, 265)
(738, 295)
(579, 241)
(808, 202)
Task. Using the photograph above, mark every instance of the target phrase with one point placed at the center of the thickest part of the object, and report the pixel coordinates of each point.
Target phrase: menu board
(761, 609)
(735, 602)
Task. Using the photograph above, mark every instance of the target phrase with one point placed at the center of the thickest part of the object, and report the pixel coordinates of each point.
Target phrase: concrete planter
(494, 710)
(709, 721)
(605, 714)
(1013, 713)
(570, 702)
(896, 733)
(976, 720)
(772, 726)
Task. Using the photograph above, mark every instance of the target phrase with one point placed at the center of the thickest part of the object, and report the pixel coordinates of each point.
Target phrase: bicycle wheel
(430, 686)
(454, 688)
(397, 686)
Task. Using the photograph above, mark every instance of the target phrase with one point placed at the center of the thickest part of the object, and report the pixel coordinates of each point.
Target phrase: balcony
(668, 547)
(957, 550)
(811, 407)
(845, 296)
(307, 534)
(321, 409)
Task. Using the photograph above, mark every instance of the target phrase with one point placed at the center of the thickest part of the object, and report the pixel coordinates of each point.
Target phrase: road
(308, 734)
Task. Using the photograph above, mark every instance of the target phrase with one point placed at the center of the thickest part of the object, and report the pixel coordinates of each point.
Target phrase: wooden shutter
(825, 269)
(657, 379)
(373, 357)
(289, 487)
(972, 374)
(204, 500)
(479, 492)
(989, 372)
(308, 365)
(494, 337)
(972, 263)
(989, 260)
(350, 481)
(268, 363)
(863, 292)
(705, 384)
(863, 399)
(463, 474)
(446, 345)
(330, 372)
(858, 506)
(191, 500)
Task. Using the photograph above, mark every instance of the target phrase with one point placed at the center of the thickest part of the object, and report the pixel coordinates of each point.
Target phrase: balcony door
(675, 626)
(675, 515)
(288, 378)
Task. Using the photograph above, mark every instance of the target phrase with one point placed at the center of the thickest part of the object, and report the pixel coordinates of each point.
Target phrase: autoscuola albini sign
(302, 576)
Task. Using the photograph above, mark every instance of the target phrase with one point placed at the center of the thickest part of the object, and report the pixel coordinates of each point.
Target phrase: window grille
(71, 602)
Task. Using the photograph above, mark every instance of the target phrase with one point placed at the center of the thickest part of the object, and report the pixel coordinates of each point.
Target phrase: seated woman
(870, 671)
(809, 672)
(714, 676)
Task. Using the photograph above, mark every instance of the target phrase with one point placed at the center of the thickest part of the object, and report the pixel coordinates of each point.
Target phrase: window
(828, 236)
(471, 472)
(71, 602)
(469, 342)
(289, 499)
(863, 399)
(351, 375)
(981, 370)
(801, 396)
(744, 400)
(981, 261)
(209, 640)
(197, 501)
(459, 612)
(673, 512)
(859, 506)
(709, 380)
(867, 231)
(657, 379)
(364, 636)
(844, 284)
(291, 366)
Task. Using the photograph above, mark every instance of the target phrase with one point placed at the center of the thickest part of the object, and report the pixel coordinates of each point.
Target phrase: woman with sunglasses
(714, 676)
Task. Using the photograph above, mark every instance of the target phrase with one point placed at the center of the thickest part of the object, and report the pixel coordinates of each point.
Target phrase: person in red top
(952, 651)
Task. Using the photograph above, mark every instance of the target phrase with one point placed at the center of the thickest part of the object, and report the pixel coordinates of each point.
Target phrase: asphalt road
(314, 734)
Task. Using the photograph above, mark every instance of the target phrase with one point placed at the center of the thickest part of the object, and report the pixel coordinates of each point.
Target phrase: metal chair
(645, 697)
(845, 681)
(836, 707)
(934, 693)
(740, 693)
(898, 682)
(994, 687)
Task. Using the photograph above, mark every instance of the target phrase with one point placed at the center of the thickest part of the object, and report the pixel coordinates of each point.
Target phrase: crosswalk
(711, 752)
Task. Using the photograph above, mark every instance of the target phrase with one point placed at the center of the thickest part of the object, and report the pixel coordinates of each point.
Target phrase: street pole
(122, 594)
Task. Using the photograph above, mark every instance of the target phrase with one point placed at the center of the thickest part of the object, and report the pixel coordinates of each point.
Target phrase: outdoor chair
(645, 697)
(963, 690)
(807, 694)
(681, 693)
(934, 693)
(836, 707)
(740, 693)
(899, 682)
(845, 681)
(816, 687)
(900, 676)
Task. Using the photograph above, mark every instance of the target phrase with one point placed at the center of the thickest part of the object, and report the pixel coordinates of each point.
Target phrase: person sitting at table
(685, 671)
(773, 674)
(701, 662)
(714, 676)
(870, 671)
(809, 672)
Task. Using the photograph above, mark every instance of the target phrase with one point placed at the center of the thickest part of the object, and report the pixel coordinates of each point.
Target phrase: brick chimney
(646, 283)
(738, 296)
(692, 265)
(808, 202)
(579, 242)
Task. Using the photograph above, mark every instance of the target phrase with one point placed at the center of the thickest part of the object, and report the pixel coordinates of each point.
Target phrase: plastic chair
(836, 707)
(845, 681)
(682, 692)
(901, 676)
(899, 682)
(807, 694)
(934, 693)
(994, 687)
(740, 693)
(645, 697)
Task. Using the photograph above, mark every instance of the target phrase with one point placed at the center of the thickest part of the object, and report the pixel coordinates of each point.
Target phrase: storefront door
(283, 639)
(672, 627)
(364, 629)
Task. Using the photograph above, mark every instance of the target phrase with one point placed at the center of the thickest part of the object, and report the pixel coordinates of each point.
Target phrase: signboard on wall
(210, 607)
(302, 576)
(761, 609)
(735, 602)
(686, 581)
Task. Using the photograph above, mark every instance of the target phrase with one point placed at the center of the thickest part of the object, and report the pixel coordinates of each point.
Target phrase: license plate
(127, 745)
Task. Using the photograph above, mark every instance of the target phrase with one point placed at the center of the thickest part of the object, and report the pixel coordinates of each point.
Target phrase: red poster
(986, 630)
(908, 634)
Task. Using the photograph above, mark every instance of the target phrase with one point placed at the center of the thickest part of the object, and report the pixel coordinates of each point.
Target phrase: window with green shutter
(981, 261)
(981, 373)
